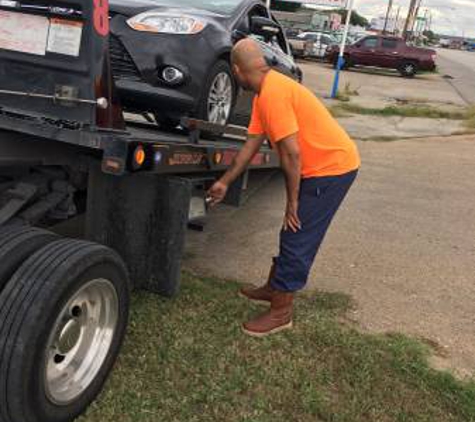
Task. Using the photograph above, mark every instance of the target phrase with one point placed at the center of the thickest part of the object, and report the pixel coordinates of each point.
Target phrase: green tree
(285, 6)
(431, 36)
(356, 18)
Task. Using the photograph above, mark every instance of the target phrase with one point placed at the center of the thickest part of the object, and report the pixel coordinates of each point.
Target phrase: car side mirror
(264, 27)
(238, 35)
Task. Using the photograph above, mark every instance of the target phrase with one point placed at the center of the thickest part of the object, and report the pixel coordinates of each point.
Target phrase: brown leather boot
(277, 319)
(261, 295)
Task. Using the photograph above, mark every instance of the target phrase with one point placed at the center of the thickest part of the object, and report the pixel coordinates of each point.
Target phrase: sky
(450, 17)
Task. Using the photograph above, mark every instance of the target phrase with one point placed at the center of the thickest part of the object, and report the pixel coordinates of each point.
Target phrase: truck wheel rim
(220, 99)
(409, 68)
(81, 340)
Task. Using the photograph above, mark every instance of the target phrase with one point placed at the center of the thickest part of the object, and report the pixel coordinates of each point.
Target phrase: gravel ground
(402, 246)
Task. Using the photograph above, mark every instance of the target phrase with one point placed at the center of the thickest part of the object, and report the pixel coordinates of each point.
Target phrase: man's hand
(291, 220)
(289, 152)
(217, 193)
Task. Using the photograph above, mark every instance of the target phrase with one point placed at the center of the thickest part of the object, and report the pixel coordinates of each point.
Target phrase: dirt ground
(402, 246)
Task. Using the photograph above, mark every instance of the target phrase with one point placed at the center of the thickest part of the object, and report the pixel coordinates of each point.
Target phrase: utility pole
(396, 24)
(390, 6)
(416, 15)
(410, 15)
(268, 4)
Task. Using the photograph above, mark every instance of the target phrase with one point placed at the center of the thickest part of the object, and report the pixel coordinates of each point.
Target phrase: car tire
(220, 87)
(63, 317)
(408, 69)
(17, 244)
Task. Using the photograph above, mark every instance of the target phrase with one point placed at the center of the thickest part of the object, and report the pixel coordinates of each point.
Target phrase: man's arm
(289, 152)
(239, 165)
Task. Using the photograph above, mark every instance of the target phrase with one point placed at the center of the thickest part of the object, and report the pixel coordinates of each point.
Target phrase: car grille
(123, 67)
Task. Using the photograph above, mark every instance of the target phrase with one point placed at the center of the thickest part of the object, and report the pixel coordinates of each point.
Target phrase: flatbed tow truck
(67, 152)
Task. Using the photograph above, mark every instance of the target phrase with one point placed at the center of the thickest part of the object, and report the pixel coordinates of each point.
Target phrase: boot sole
(268, 333)
(256, 301)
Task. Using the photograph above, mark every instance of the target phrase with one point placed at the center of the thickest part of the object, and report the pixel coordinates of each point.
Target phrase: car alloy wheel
(220, 99)
(409, 69)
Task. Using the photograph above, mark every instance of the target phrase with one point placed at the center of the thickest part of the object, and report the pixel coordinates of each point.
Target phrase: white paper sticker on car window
(65, 37)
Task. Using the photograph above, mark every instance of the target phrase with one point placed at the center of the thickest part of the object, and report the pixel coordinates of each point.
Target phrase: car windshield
(222, 7)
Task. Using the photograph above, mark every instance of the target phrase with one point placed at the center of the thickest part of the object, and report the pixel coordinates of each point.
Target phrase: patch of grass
(347, 93)
(403, 111)
(382, 139)
(350, 91)
(470, 123)
(186, 360)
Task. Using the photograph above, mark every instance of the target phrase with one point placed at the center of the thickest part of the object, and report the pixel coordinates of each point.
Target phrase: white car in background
(316, 42)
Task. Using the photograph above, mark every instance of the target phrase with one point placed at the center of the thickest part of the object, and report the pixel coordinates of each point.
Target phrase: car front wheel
(219, 96)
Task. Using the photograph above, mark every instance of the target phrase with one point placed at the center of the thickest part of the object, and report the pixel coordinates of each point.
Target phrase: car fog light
(172, 75)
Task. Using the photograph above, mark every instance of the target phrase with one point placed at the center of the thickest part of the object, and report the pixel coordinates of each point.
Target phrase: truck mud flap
(144, 218)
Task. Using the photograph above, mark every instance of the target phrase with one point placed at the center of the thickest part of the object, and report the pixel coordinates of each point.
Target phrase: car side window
(325, 40)
(370, 43)
(389, 44)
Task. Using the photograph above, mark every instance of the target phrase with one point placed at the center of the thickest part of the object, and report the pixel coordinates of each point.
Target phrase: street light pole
(341, 58)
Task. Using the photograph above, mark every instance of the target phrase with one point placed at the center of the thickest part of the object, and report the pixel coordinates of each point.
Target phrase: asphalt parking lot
(402, 246)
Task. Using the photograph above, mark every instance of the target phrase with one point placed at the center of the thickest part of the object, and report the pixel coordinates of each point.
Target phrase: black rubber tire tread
(39, 284)
(16, 245)
(219, 66)
(404, 73)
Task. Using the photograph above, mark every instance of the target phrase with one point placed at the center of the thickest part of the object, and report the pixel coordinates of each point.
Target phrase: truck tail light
(218, 158)
(139, 156)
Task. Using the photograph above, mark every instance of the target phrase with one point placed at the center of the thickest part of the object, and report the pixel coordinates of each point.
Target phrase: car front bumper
(137, 59)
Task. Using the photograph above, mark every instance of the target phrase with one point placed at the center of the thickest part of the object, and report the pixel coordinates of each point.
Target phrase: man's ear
(236, 69)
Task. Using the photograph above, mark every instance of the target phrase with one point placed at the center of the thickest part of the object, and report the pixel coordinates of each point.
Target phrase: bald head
(247, 54)
(249, 64)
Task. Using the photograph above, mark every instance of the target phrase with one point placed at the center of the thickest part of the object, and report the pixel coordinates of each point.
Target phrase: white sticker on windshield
(65, 37)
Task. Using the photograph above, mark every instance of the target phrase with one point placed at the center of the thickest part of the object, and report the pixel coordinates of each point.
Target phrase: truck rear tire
(16, 245)
(63, 317)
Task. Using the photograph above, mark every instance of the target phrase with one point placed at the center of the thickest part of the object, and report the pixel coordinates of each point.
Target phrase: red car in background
(386, 52)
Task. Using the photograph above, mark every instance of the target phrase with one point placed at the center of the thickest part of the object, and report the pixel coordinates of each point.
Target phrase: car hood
(128, 8)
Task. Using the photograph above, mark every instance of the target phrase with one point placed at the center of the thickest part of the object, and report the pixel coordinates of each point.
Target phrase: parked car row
(311, 44)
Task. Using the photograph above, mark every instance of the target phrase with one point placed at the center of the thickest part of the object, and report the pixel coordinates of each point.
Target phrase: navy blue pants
(319, 200)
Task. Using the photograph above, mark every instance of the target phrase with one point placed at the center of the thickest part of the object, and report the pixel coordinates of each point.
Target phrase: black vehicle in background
(172, 57)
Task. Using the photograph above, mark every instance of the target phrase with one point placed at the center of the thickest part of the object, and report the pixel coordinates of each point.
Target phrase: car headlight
(166, 24)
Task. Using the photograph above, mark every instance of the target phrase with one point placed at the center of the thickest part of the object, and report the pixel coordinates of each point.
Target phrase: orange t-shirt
(284, 107)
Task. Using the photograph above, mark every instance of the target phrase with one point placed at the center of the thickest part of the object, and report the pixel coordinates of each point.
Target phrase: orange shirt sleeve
(255, 126)
(281, 121)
